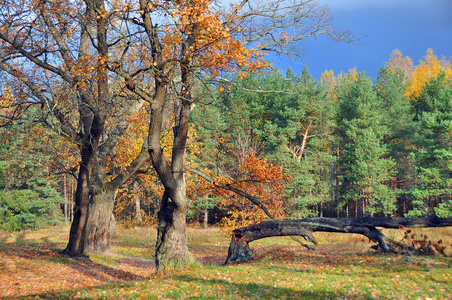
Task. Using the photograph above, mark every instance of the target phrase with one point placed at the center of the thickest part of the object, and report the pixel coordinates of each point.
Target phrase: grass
(342, 267)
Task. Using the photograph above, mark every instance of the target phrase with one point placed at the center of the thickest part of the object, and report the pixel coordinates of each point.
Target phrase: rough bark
(239, 250)
(94, 203)
(99, 222)
(171, 250)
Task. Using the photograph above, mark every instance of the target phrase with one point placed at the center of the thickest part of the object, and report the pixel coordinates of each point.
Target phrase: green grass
(342, 267)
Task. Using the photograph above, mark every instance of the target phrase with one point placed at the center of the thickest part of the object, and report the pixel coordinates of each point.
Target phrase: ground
(342, 267)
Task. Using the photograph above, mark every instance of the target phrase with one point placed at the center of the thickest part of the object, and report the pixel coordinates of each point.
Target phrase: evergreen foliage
(353, 148)
(364, 164)
(28, 192)
(433, 110)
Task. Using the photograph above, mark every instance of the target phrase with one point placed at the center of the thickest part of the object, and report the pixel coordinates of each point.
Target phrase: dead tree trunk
(239, 250)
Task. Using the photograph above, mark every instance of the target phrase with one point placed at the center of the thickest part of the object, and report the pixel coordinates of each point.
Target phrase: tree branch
(134, 166)
(239, 250)
(253, 200)
(35, 60)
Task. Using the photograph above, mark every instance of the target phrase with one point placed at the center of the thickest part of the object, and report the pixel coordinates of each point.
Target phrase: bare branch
(35, 60)
(276, 25)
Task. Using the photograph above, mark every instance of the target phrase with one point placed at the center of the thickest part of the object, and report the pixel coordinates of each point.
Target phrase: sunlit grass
(134, 241)
(54, 235)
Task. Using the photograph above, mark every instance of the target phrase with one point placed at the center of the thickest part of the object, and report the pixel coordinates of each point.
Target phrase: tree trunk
(239, 250)
(138, 209)
(99, 222)
(77, 234)
(206, 218)
(137, 203)
(94, 203)
(171, 249)
(92, 121)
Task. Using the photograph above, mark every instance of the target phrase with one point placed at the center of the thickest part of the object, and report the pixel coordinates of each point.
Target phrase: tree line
(352, 146)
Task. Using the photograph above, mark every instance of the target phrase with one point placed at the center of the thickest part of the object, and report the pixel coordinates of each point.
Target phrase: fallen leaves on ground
(38, 269)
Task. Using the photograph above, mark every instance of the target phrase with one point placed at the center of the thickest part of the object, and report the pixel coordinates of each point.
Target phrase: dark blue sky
(412, 26)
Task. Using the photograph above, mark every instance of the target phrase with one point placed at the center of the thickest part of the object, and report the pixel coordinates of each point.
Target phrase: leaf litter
(36, 269)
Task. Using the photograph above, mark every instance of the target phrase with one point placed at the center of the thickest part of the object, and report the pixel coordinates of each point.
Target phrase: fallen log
(239, 250)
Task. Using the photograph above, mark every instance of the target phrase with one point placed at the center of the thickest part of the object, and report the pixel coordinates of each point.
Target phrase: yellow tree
(8, 106)
(128, 209)
(398, 62)
(143, 188)
(328, 79)
(429, 67)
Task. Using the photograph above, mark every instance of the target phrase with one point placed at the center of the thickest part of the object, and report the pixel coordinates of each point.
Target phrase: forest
(161, 113)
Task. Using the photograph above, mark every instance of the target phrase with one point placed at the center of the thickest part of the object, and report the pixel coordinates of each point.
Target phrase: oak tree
(54, 55)
(180, 40)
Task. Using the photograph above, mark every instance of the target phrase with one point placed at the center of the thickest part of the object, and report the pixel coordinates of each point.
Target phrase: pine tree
(434, 147)
(364, 167)
(29, 196)
(398, 121)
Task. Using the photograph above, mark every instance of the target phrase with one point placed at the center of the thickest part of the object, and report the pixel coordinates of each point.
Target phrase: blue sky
(412, 26)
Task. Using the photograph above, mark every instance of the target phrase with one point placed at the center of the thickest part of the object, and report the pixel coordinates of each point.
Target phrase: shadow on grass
(235, 290)
(192, 287)
(94, 292)
(48, 252)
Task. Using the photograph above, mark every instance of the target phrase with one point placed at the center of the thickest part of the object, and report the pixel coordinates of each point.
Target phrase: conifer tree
(434, 147)
(364, 165)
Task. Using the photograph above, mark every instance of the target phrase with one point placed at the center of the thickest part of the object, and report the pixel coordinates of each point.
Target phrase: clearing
(342, 267)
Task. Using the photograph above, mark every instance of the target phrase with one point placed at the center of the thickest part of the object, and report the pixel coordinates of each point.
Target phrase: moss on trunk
(171, 249)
